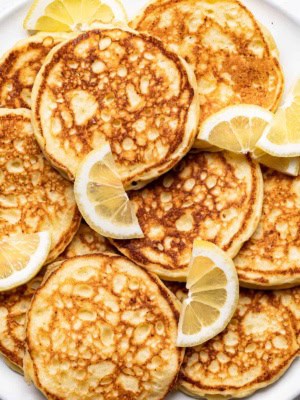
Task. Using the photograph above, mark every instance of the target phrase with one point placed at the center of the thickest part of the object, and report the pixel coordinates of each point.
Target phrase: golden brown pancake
(255, 349)
(271, 258)
(290, 298)
(122, 86)
(87, 241)
(221, 39)
(33, 196)
(20, 65)
(100, 327)
(212, 196)
(14, 305)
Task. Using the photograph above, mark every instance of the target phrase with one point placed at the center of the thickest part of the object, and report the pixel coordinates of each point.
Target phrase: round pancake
(87, 241)
(212, 196)
(124, 87)
(290, 298)
(20, 65)
(271, 258)
(255, 349)
(101, 327)
(33, 196)
(15, 303)
(231, 57)
(13, 308)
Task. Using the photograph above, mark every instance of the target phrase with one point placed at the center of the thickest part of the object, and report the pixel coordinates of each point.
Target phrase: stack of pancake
(97, 324)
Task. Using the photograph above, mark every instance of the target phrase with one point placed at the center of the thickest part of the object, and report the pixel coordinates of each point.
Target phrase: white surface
(287, 35)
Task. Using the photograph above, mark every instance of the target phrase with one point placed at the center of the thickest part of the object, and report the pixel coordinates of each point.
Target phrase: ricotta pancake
(212, 196)
(20, 65)
(271, 258)
(233, 58)
(255, 349)
(33, 196)
(87, 241)
(122, 86)
(101, 327)
(14, 305)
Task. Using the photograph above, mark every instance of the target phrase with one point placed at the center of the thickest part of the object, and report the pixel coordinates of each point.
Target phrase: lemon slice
(212, 298)
(21, 258)
(101, 197)
(282, 137)
(72, 15)
(289, 166)
(238, 129)
(235, 128)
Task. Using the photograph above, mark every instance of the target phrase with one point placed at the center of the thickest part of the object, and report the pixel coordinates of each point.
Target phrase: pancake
(118, 85)
(290, 298)
(20, 65)
(87, 241)
(33, 196)
(212, 196)
(255, 349)
(13, 308)
(14, 304)
(233, 59)
(101, 327)
(271, 258)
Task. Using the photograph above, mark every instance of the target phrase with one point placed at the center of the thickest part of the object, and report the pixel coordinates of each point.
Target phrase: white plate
(286, 32)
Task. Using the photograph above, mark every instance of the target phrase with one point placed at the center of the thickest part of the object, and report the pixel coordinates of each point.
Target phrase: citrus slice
(101, 197)
(213, 295)
(72, 15)
(235, 128)
(289, 166)
(282, 137)
(21, 258)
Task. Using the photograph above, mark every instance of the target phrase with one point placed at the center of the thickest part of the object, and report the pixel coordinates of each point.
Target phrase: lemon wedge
(238, 129)
(213, 292)
(289, 166)
(235, 128)
(21, 258)
(101, 197)
(282, 137)
(72, 15)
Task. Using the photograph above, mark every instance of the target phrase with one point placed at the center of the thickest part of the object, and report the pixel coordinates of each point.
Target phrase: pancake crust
(100, 327)
(87, 241)
(232, 60)
(212, 196)
(255, 349)
(271, 258)
(20, 65)
(122, 86)
(33, 196)
(13, 308)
